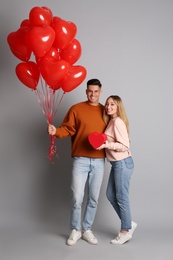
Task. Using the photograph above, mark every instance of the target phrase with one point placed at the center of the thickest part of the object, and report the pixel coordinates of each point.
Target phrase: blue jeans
(118, 189)
(85, 169)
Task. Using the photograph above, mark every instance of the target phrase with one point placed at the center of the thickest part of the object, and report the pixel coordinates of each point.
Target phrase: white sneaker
(89, 237)
(134, 226)
(122, 238)
(75, 235)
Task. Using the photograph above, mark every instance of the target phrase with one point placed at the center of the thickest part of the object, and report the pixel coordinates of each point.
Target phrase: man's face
(93, 93)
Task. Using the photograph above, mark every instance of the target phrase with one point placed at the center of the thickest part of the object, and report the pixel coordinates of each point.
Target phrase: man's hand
(51, 129)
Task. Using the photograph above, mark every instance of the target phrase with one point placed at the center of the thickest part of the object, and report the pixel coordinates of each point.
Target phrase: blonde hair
(120, 111)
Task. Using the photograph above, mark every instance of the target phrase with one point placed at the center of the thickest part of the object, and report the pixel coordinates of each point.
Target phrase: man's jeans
(90, 171)
(118, 189)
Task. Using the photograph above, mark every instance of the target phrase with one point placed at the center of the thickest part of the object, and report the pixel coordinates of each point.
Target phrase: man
(88, 163)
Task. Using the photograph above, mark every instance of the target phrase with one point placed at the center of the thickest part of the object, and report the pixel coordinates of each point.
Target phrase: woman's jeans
(118, 189)
(90, 171)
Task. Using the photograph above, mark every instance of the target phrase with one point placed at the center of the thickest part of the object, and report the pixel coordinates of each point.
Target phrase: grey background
(128, 45)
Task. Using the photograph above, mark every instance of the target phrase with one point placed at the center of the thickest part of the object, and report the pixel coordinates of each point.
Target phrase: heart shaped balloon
(40, 16)
(52, 55)
(72, 53)
(41, 39)
(18, 44)
(25, 23)
(73, 78)
(97, 139)
(53, 71)
(28, 74)
(65, 32)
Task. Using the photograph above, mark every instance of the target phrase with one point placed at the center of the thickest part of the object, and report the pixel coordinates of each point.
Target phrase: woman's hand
(105, 145)
(101, 147)
(51, 129)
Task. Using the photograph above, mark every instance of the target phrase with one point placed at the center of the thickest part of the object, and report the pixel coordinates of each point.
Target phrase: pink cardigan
(117, 144)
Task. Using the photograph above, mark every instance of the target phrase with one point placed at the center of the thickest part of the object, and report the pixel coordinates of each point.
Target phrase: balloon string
(55, 111)
(50, 101)
(46, 99)
(52, 149)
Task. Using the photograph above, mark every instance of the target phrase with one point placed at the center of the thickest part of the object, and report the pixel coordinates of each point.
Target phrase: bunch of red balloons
(52, 41)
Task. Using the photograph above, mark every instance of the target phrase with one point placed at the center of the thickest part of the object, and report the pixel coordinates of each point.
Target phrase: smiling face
(93, 93)
(111, 108)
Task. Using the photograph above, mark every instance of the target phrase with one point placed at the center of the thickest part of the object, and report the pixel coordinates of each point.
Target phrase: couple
(88, 163)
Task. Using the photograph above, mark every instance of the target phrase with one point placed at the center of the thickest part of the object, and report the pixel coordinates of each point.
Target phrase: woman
(119, 155)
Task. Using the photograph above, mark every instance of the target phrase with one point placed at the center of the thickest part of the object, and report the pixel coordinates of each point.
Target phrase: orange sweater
(81, 120)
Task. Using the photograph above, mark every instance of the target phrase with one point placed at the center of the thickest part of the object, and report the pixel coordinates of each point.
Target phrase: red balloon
(73, 78)
(41, 39)
(28, 74)
(25, 23)
(18, 44)
(52, 72)
(72, 53)
(64, 32)
(40, 16)
(56, 18)
(55, 87)
(52, 55)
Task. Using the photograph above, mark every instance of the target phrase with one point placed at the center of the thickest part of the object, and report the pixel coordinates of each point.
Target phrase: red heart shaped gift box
(97, 139)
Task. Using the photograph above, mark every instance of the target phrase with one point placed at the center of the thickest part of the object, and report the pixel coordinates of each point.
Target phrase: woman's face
(111, 108)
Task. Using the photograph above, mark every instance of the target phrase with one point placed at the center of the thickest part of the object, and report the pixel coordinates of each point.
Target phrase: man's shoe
(75, 235)
(121, 238)
(134, 226)
(89, 237)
